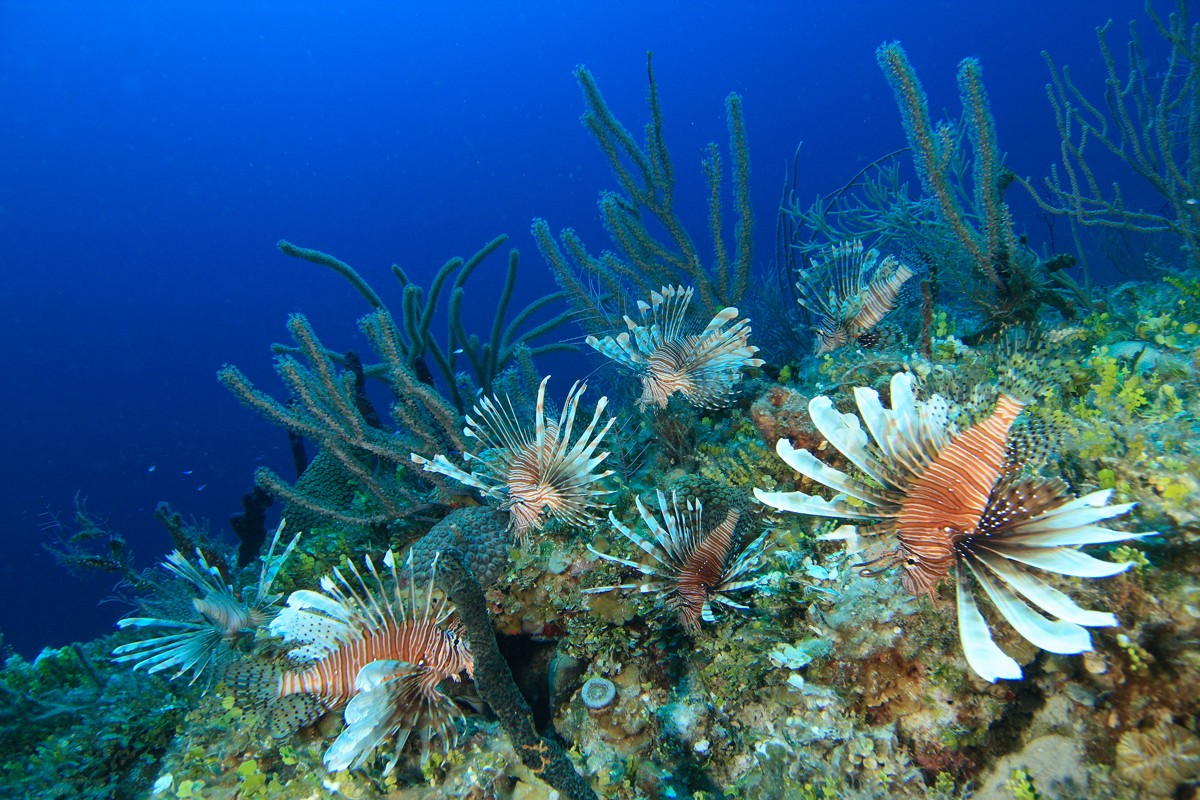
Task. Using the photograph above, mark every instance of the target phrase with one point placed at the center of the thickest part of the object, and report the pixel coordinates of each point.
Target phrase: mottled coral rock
(782, 412)
(480, 534)
(1056, 764)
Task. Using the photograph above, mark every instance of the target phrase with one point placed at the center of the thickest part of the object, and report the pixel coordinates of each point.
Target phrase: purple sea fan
(695, 567)
(702, 367)
(850, 292)
(539, 474)
(955, 501)
(205, 628)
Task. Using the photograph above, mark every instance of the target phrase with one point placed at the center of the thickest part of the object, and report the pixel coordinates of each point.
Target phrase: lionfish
(857, 293)
(535, 475)
(695, 567)
(208, 626)
(372, 646)
(701, 367)
(957, 500)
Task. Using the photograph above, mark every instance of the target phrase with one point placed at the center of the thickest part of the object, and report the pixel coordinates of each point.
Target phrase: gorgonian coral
(957, 501)
(539, 474)
(703, 368)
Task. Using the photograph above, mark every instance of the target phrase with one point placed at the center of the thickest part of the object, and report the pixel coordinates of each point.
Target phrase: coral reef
(499, 664)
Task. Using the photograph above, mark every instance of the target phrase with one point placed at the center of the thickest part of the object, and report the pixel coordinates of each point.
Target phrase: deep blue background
(151, 154)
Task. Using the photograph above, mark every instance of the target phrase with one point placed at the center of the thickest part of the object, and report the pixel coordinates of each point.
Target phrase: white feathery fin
(540, 420)
(1056, 636)
(810, 466)
(1073, 537)
(387, 610)
(1063, 560)
(271, 563)
(876, 418)
(1080, 511)
(801, 503)
(908, 439)
(1043, 595)
(845, 432)
(985, 658)
(369, 715)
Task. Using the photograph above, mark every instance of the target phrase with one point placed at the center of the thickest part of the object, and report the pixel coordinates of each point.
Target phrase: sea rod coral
(955, 500)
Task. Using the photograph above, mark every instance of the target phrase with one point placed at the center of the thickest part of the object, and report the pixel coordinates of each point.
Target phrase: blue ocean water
(152, 153)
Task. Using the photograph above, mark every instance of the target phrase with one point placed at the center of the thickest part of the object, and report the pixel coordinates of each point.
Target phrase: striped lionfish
(206, 628)
(539, 474)
(695, 568)
(954, 500)
(856, 296)
(701, 367)
(372, 647)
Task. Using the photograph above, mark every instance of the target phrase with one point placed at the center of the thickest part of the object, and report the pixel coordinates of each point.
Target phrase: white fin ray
(810, 466)
(1055, 636)
(441, 465)
(1075, 513)
(369, 717)
(845, 432)
(880, 422)
(984, 657)
(1082, 535)
(1063, 560)
(1043, 595)
(801, 503)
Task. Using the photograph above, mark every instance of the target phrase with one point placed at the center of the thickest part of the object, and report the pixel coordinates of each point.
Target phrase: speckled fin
(289, 714)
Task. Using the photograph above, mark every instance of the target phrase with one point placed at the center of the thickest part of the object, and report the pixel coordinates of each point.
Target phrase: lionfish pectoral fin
(377, 673)
(984, 657)
(289, 714)
(390, 702)
(1055, 636)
